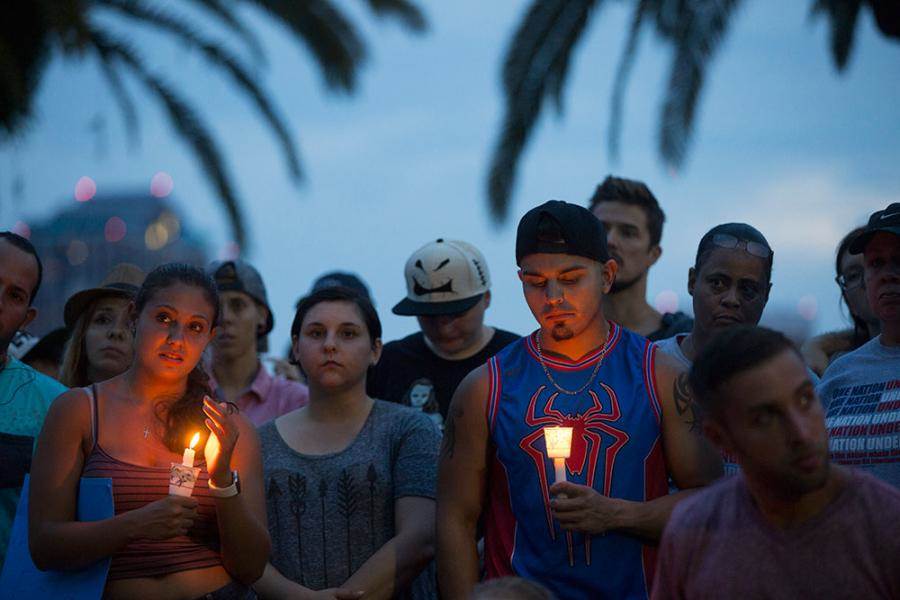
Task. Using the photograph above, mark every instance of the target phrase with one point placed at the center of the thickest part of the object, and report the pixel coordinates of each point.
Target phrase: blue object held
(21, 579)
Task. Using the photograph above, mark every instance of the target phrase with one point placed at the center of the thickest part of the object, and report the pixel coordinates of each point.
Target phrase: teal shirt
(25, 397)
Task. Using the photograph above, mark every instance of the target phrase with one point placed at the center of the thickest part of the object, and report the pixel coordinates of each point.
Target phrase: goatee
(561, 332)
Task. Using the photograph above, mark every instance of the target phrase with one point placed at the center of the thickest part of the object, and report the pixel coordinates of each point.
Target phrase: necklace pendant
(146, 433)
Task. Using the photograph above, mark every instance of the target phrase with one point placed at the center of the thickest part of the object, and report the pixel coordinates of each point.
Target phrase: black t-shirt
(672, 324)
(410, 373)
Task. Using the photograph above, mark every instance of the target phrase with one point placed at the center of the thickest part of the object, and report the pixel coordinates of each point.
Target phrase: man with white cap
(448, 291)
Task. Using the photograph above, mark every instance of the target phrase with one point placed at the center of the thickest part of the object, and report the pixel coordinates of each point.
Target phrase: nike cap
(883, 220)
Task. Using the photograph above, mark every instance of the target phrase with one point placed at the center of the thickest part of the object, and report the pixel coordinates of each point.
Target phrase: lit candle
(188, 458)
(559, 444)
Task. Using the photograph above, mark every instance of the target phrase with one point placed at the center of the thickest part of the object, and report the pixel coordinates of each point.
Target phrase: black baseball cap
(558, 227)
(341, 279)
(883, 220)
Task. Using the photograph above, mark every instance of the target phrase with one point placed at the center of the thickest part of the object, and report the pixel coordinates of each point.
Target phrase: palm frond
(623, 71)
(24, 50)
(842, 15)
(185, 121)
(887, 17)
(226, 15)
(126, 104)
(404, 11)
(536, 65)
(701, 27)
(329, 35)
(220, 57)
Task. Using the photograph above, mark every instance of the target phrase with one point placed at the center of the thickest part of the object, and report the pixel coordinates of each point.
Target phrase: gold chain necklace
(553, 381)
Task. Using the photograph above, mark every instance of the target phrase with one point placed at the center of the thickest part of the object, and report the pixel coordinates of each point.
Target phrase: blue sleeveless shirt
(616, 449)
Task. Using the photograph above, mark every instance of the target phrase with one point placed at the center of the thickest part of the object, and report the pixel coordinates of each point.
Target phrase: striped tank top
(135, 486)
(616, 449)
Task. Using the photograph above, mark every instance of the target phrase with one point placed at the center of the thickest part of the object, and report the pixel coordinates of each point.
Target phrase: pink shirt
(718, 545)
(268, 397)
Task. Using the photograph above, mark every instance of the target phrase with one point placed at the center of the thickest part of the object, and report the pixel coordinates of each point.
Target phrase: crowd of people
(708, 457)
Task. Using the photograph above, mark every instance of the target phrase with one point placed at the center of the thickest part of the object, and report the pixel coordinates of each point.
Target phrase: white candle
(188, 458)
(559, 466)
(559, 445)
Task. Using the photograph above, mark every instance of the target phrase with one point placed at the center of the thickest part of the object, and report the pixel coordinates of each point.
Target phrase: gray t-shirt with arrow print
(329, 513)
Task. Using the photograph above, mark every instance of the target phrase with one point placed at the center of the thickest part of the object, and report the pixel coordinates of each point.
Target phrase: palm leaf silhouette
(843, 15)
(696, 36)
(126, 104)
(404, 11)
(32, 31)
(536, 66)
(187, 123)
(623, 71)
(226, 15)
(327, 33)
(221, 58)
(536, 63)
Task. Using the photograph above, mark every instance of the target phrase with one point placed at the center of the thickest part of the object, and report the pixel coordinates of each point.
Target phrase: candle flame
(194, 440)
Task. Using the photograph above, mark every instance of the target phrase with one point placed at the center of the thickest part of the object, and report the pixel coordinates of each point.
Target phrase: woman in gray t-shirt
(350, 481)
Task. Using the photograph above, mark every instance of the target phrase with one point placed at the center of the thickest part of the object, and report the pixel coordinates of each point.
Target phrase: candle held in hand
(188, 458)
(183, 476)
(559, 445)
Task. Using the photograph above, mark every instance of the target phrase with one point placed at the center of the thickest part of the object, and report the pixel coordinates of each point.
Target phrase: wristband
(225, 492)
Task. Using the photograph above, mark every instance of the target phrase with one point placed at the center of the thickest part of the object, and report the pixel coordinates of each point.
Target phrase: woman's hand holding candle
(222, 423)
(163, 519)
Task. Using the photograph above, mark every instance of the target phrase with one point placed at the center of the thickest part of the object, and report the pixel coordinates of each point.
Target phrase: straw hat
(123, 281)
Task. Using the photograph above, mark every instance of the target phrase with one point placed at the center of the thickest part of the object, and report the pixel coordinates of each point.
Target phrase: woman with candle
(350, 481)
(100, 345)
(131, 428)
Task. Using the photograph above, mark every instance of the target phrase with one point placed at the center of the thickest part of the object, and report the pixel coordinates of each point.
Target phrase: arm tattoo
(684, 403)
(448, 444)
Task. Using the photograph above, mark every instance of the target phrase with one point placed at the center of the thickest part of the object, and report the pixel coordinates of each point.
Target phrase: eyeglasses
(850, 281)
(726, 240)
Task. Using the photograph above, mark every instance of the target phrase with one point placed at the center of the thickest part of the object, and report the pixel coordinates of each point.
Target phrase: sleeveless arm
(462, 481)
(242, 518)
(56, 540)
(691, 460)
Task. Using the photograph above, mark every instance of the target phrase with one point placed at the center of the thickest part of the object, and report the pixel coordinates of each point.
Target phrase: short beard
(561, 333)
(620, 285)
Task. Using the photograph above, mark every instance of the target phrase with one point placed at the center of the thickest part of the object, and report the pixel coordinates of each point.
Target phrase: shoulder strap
(95, 415)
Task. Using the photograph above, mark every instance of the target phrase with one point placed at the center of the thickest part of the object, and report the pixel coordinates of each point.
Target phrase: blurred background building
(79, 244)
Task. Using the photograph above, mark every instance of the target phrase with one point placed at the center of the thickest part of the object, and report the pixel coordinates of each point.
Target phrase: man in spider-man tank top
(630, 415)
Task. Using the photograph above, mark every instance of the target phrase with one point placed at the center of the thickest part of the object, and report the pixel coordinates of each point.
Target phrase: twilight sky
(781, 142)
